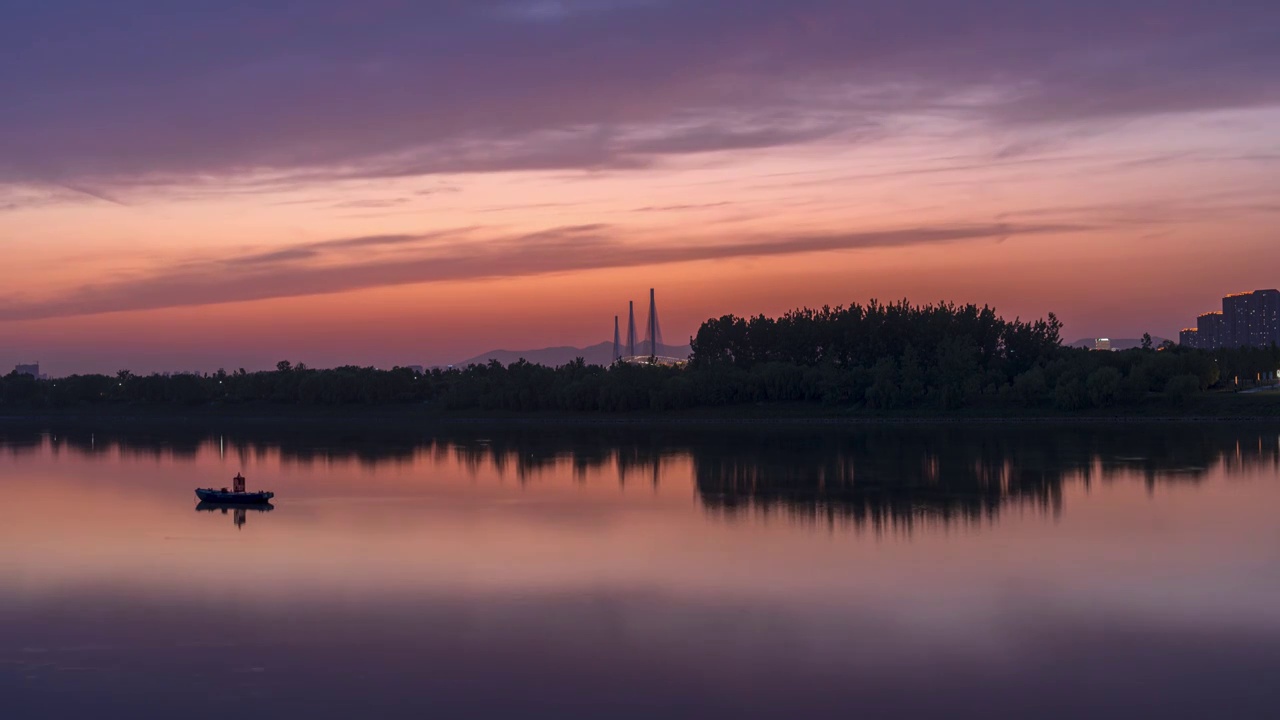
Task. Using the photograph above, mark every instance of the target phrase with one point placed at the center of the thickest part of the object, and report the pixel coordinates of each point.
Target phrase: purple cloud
(143, 90)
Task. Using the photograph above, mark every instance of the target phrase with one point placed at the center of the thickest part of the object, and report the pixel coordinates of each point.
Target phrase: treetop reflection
(874, 476)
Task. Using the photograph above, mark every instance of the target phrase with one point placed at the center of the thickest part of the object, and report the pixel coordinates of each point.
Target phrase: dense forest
(878, 358)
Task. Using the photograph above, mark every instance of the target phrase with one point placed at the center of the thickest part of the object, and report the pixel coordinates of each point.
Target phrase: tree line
(877, 357)
(945, 356)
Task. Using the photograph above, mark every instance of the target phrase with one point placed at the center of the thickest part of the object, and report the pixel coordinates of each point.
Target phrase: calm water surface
(635, 572)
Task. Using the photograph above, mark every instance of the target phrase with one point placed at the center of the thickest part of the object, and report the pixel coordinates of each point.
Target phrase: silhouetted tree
(881, 357)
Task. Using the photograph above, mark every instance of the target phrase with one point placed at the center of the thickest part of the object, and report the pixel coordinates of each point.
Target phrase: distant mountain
(600, 354)
(1117, 343)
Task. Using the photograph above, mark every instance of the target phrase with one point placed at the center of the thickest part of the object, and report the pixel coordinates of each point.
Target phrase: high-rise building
(33, 370)
(1251, 319)
(1268, 314)
(1247, 319)
(1235, 313)
(1189, 337)
(1209, 330)
(1102, 344)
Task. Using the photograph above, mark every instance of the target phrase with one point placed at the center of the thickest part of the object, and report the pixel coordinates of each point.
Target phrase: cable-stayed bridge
(645, 352)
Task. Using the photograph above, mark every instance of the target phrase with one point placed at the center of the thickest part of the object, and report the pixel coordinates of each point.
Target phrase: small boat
(211, 506)
(235, 496)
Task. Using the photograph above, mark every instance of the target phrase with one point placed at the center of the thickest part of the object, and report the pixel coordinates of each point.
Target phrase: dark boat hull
(210, 506)
(234, 498)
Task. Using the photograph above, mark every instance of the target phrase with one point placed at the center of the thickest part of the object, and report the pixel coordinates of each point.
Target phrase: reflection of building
(1247, 319)
(1189, 337)
(1102, 344)
(33, 370)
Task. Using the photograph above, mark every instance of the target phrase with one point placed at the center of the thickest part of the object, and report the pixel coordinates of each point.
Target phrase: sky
(224, 183)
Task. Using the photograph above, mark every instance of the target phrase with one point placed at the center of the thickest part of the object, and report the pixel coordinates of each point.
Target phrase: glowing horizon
(194, 188)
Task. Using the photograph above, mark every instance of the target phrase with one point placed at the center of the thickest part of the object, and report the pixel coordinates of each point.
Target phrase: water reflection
(238, 512)
(879, 477)
(640, 571)
(896, 478)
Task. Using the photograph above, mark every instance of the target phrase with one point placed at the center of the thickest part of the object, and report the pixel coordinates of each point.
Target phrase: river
(642, 572)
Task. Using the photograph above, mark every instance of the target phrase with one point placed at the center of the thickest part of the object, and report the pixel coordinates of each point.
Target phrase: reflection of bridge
(634, 353)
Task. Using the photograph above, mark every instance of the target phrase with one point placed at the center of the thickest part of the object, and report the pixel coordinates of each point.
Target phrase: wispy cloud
(678, 208)
(94, 193)
(37, 195)
(584, 83)
(329, 267)
(1215, 208)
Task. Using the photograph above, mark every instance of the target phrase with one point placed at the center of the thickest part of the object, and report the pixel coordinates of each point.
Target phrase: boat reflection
(875, 476)
(238, 512)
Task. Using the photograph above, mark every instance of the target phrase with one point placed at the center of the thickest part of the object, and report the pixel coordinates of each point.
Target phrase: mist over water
(642, 571)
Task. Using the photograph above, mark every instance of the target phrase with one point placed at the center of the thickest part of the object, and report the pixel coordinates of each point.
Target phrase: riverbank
(1211, 407)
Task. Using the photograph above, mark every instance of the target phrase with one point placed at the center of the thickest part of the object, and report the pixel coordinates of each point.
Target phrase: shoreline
(408, 420)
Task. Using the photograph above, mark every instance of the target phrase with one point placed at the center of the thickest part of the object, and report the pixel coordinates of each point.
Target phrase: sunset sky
(217, 183)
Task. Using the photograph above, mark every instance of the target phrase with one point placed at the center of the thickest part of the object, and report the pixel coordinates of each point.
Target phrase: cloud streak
(329, 266)
(448, 86)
